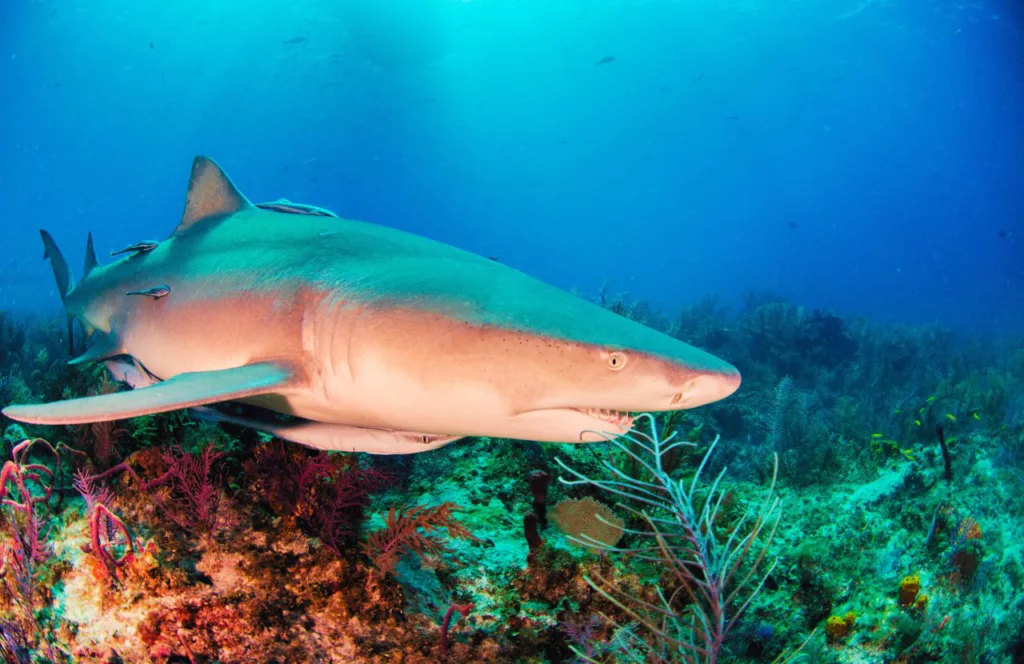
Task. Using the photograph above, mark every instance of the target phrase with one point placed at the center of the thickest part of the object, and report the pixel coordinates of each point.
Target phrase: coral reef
(897, 536)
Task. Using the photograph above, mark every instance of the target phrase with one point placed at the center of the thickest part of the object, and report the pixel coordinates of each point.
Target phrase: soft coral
(413, 529)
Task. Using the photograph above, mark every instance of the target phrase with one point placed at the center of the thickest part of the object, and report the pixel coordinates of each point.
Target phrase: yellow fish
(976, 416)
(876, 435)
(930, 399)
(917, 422)
(950, 417)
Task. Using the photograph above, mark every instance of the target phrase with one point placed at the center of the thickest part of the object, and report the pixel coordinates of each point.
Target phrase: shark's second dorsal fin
(211, 194)
(90, 257)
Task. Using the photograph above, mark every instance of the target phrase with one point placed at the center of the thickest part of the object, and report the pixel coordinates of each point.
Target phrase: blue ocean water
(858, 155)
(862, 160)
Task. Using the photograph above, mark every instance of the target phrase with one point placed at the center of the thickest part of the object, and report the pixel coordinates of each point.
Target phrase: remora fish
(374, 339)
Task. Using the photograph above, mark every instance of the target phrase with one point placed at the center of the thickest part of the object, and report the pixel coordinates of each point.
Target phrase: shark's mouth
(569, 425)
(617, 418)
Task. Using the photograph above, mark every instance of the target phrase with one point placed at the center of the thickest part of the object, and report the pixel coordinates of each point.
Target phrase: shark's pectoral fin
(182, 391)
(340, 437)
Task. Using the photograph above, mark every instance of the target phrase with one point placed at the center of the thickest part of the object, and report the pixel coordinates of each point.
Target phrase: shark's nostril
(677, 399)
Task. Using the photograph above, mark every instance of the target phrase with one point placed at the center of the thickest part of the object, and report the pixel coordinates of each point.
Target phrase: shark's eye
(616, 361)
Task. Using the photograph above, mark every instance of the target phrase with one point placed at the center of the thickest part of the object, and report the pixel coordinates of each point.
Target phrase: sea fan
(414, 530)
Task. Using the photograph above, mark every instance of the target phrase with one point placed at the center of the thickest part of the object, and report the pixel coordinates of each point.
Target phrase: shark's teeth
(616, 417)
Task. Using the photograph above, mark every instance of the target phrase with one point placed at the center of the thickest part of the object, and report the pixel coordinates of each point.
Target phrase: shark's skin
(353, 324)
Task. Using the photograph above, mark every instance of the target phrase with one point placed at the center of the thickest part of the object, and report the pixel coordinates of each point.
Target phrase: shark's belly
(407, 369)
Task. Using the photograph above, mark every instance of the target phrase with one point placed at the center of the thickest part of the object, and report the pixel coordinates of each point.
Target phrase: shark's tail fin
(61, 271)
(65, 280)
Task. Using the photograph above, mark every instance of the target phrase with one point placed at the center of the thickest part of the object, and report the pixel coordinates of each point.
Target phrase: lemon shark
(353, 336)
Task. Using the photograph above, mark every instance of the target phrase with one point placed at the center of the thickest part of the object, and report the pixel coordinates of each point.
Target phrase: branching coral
(413, 530)
(718, 571)
(105, 527)
(194, 497)
(328, 494)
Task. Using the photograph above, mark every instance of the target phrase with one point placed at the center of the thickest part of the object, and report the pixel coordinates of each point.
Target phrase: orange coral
(838, 628)
(909, 588)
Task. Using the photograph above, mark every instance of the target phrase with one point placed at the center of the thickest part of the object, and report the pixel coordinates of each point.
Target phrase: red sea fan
(283, 475)
(414, 530)
(332, 503)
(194, 497)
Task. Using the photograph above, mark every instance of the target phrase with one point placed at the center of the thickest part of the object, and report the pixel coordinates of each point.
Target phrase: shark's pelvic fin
(126, 369)
(183, 391)
(340, 437)
(103, 346)
(211, 194)
(90, 257)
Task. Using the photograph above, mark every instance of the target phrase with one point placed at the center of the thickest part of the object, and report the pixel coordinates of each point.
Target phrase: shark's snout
(703, 388)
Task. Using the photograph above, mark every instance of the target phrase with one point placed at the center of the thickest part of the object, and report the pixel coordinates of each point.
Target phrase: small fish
(876, 435)
(930, 399)
(896, 412)
(908, 453)
(156, 292)
(917, 422)
(137, 248)
(1003, 234)
(605, 60)
(976, 416)
(951, 417)
(793, 225)
(151, 46)
(301, 39)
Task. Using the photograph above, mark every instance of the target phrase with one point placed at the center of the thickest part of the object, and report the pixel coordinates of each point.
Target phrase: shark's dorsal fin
(211, 195)
(90, 257)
